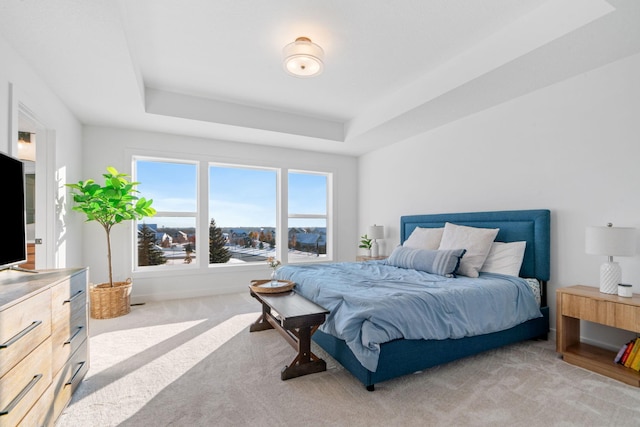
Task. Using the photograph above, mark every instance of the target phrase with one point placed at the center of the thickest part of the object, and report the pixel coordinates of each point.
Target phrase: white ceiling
(393, 69)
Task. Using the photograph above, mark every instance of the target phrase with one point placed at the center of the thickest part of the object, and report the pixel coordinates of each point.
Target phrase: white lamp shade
(303, 58)
(610, 241)
(376, 232)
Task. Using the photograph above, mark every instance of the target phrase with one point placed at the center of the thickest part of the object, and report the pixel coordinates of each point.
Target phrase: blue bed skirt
(402, 357)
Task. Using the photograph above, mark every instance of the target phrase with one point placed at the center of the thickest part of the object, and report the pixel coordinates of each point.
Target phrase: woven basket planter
(108, 302)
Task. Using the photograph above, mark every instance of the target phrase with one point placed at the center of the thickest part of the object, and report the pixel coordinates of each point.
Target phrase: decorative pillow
(477, 242)
(424, 238)
(505, 258)
(444, 263)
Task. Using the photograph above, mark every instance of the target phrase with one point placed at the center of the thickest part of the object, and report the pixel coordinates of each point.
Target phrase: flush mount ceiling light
(303, 58)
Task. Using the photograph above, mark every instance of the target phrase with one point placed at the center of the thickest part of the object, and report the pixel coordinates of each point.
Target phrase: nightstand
(370, 258)
(576, 303)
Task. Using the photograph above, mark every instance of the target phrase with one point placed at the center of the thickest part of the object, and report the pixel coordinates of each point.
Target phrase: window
(307, 219)
(168, 238)
(242, 213)
(212, 214)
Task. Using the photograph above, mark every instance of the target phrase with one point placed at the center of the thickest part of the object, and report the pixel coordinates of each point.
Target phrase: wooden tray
(263, 286)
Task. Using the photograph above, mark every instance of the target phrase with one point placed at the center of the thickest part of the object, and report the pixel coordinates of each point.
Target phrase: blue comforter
(372, 303)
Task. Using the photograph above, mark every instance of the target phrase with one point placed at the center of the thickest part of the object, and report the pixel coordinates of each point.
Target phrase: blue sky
(238, 197)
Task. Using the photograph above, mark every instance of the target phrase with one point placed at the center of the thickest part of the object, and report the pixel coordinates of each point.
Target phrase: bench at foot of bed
(296, 320)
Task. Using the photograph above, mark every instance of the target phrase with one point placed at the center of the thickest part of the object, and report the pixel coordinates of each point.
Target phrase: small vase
(274, 278)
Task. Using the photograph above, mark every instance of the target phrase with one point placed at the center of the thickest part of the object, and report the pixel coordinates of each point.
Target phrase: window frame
(163, 214)
(203, 162)
(326, 216)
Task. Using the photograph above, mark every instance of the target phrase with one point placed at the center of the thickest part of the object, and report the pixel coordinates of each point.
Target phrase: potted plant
(365, 243)
(110, 204)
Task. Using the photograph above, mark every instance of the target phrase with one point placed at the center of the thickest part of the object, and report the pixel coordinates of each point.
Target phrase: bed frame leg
(371, 387)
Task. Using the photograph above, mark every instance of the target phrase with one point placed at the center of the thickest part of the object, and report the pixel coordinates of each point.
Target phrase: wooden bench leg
(305, 362)
(261, 322)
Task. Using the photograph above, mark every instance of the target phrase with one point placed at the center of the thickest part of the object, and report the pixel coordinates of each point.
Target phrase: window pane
(307, 193)
(307, 233)
(172, 186)
(166, 241)
(242, 213)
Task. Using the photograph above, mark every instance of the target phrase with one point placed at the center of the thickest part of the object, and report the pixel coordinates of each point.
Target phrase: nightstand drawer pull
(78, 330)
(21, 334)
(75, 374)
(21, 395)
(77, 294)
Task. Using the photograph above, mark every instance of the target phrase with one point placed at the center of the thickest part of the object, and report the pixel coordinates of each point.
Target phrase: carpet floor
(193, 362)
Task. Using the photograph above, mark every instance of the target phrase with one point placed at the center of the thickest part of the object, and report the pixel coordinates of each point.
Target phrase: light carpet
(193, 362)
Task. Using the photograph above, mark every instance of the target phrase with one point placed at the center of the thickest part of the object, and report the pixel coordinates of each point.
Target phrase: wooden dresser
(44, 346)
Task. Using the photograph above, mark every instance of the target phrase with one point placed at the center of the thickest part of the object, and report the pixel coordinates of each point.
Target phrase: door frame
(45, 217)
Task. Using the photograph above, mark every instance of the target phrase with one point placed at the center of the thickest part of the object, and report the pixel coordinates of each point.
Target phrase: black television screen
(13, 250)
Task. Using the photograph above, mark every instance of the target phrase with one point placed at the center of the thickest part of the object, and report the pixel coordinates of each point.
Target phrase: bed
(390, 350)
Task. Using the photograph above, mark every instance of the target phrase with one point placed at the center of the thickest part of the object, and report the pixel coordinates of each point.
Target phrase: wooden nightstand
(577, 303)
(370, 258)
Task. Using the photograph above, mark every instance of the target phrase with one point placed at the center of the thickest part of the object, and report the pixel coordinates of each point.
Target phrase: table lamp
(375, 232)
(610, 241)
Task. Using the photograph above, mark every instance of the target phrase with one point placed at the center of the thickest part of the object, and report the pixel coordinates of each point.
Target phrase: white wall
(18, 83)
(573, 148)
(113, 147)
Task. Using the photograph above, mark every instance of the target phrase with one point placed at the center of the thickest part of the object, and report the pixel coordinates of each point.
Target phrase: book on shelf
(625, 355)
(621, 352)
(635, 363)
(632, 353)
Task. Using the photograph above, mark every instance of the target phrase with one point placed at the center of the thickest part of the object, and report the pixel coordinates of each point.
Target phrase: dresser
(44, 346)
(586, 303)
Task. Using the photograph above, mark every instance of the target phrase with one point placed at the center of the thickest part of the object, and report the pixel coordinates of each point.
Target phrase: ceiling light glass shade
(303, 58)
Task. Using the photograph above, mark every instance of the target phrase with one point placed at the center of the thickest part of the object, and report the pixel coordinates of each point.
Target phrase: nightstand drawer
(370, 258)
(628, 317)
(608, 313)
(589, 309)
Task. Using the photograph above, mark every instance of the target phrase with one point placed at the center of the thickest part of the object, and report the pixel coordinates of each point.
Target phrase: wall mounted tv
(13, 250)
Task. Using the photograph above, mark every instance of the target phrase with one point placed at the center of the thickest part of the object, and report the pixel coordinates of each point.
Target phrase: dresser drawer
(69, 377)
(21, 387)
(41, 414)
(68, 297)
(68, 335)
(23, 327)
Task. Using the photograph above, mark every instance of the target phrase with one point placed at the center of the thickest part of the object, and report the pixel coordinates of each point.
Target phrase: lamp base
(374, 254)
(610, 277)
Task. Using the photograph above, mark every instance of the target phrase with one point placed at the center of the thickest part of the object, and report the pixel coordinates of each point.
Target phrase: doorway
(34, 148)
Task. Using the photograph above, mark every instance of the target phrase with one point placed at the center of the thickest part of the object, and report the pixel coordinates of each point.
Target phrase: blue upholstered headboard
(532, 226)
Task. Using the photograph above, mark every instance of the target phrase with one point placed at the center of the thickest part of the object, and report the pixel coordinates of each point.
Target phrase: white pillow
(505, 258)
(477, 242)
(424, 238)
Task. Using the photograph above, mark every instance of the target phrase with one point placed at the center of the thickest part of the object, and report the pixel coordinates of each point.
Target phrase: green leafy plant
(365, 242)
(110, 204)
